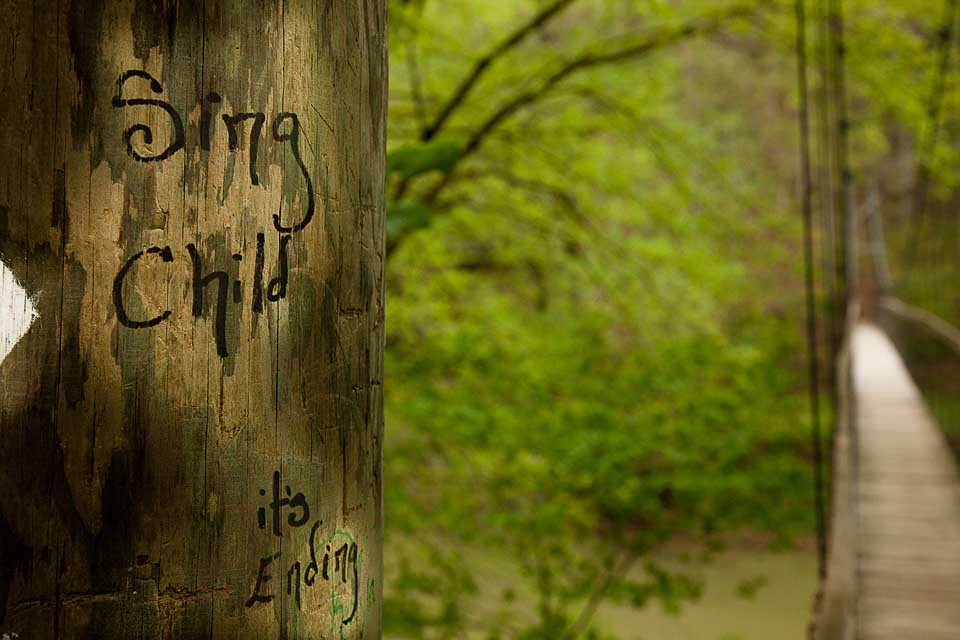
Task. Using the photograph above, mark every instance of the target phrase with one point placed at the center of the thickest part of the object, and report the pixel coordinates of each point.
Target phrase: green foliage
(749, 588)
(412, 160)
(899, 144)
(406, 216)
(595, 320)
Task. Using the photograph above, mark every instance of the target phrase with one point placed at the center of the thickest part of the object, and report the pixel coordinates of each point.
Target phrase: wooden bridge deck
(908, 549)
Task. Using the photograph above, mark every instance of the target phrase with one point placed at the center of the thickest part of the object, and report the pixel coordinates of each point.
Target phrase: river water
(748, 595)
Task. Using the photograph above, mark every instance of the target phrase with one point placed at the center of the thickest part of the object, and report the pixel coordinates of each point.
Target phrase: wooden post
(192, 199)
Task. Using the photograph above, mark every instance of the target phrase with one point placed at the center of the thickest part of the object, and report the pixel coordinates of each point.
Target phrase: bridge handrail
(835, 605)
(929, 321)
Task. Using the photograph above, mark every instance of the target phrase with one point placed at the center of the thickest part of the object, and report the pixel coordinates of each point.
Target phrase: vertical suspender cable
(846, 257)
(825, 185)
(806, 204)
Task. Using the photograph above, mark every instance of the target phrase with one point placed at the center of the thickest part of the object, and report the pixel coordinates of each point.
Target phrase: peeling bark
(192, 196)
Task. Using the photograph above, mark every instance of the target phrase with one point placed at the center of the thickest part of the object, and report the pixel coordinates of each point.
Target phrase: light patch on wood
(17, 312)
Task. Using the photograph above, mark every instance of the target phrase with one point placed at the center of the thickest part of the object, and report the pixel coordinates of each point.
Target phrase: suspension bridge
(889, 514)
(893, 563)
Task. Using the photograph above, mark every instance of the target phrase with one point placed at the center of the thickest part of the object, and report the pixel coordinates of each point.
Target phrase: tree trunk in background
(191, 195)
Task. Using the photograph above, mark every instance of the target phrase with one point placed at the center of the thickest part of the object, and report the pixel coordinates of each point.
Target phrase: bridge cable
(824, 187)
(846, 254)
(806, 203)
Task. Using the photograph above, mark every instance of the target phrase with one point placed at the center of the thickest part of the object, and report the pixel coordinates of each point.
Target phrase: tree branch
(480, 67)
(582, 621)
(588, 60)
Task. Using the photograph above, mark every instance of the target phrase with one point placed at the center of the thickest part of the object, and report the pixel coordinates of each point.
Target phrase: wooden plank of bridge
(909, 504)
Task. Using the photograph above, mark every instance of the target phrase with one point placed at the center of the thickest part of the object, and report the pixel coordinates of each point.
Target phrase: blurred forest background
(597, 388)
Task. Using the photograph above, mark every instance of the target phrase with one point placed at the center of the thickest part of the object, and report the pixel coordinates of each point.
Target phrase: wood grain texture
(137, 492)
(908, 504)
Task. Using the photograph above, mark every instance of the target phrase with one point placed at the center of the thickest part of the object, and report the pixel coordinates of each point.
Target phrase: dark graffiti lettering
(339, 546)
(206, 120)
(262, 513)
(285, 129)
(342, 563)
(122, 317)
(258, 277)
(233, 141)
(310, 575)
(295, 502)
(294, 139)
(227, 291)
(237, 285)
(262, 578)
(353, 559)
(200, 282)
(278, 286)
(178, 133)
(298, 502)
(279, 130)
(294, 584)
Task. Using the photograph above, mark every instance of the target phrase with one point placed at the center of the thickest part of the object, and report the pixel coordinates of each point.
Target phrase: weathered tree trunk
(191, 194)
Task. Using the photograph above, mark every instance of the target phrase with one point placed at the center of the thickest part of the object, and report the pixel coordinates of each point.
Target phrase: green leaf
(414, 159)
(747, 589)
(406, 216)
